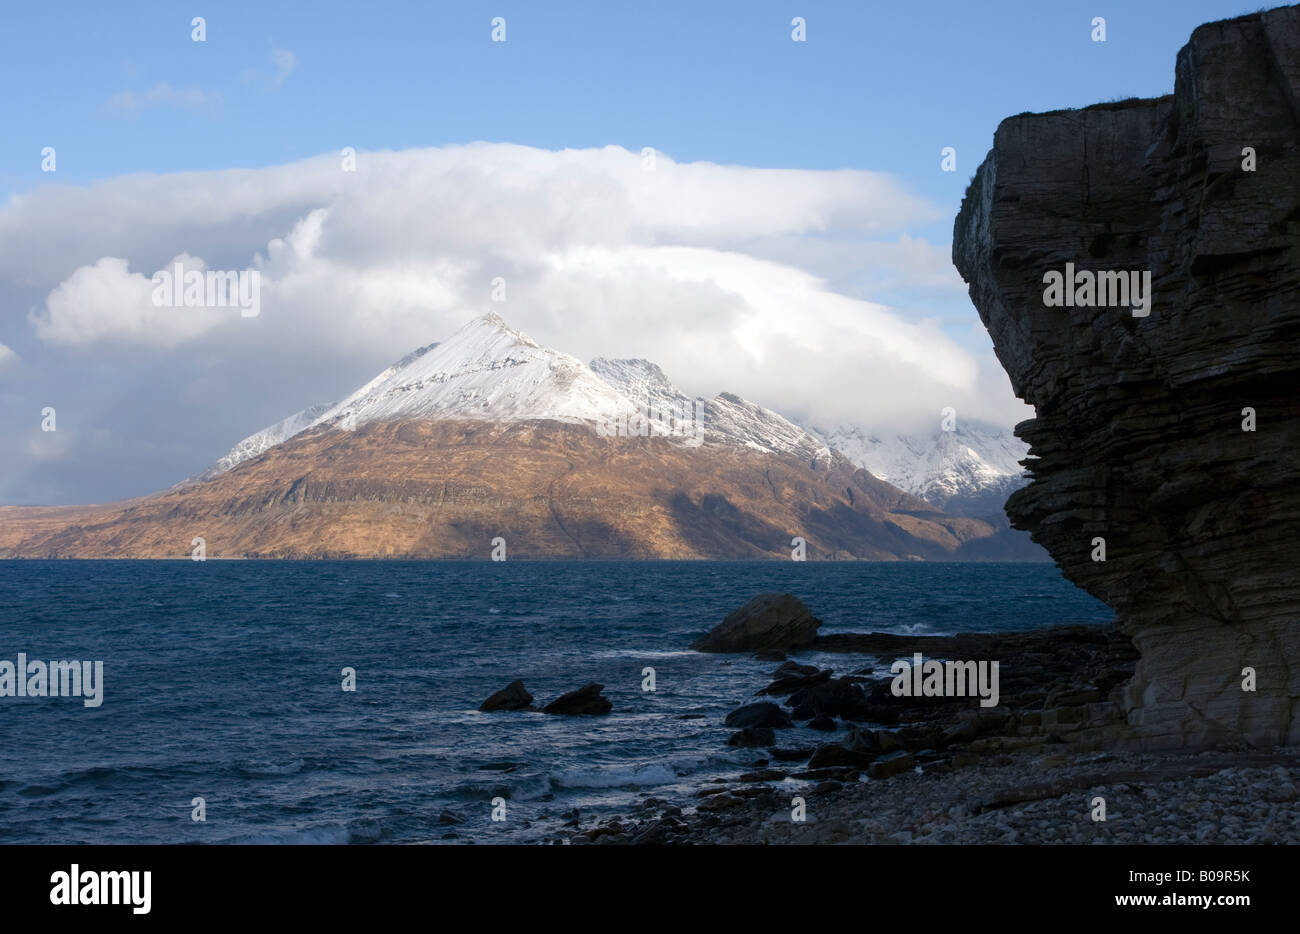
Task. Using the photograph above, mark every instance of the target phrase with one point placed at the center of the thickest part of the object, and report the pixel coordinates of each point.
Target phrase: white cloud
(8, 356)
(108, 302)
(730, 277)
(162, 94)
(284, 62)
(48, 446)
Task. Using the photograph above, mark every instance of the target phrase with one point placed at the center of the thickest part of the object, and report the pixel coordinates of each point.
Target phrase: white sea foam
(622, 777)
(331, 835)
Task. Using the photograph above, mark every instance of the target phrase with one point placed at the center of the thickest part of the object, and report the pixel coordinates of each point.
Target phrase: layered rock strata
(1165, 443)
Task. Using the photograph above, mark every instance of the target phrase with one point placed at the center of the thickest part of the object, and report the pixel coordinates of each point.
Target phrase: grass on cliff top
(1117, 103)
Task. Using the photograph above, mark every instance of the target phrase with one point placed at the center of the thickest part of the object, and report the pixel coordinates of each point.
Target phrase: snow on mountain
(488, 371)
(268, 438)
(485, 370)
(757, 427)
(728, 419)
(640, 381)
(968, 471)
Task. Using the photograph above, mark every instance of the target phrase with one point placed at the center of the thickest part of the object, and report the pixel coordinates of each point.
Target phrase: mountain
(484, 371)
(489, 435)
(260, 442)
(727, 418)
(487, 370)
(969, 471)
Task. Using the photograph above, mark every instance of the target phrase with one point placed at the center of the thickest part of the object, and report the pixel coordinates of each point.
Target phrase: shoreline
(943, 770)
(1208, 797)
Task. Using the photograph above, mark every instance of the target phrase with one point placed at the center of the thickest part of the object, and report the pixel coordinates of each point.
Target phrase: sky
(786, 236)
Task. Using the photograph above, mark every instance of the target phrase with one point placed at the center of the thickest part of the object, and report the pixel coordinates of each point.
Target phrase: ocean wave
(329, 835)
(644, 653)
(620, 777)
(258, 767)
(98, 775)
(510, 785)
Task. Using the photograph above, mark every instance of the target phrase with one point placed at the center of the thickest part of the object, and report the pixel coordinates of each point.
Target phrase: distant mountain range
(488, 372)
(488, 435)
(968, 471)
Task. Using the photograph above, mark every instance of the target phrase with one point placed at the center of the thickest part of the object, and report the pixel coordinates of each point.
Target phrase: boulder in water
(769, 622)
(585, 700)
(514, 696)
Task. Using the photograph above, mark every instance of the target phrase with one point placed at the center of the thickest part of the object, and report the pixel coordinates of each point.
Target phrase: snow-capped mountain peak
(728, 419)
(970, 470)
(638, 379)
(269, 437)
(485, 370)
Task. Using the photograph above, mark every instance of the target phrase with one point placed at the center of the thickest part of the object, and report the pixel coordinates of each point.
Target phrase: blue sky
(876, 86)
(699, 268)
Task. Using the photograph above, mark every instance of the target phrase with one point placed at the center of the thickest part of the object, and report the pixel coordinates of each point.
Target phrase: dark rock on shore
(830, 773)
(752, 737)
(834, 755)
(768, 623)
(890, 764)
(764, 713)
(1039, 671)
(1058, 685)
(791, 755)
(585, 700)
(514, 696)
(789, 683)
(719, 803)
(860, 739)
(838, 697)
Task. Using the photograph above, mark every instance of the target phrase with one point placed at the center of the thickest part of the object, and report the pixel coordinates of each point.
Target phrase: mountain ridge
(968, 472)
(490, 436)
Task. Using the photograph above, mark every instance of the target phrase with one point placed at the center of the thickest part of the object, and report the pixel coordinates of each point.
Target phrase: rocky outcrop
(764, 713)
(585, 700)
(751, 737)
(1060, 688)
(1163, 448)
(514, 696)
(770, 621)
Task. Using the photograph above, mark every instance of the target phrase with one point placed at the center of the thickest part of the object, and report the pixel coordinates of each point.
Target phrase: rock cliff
(1171, 439)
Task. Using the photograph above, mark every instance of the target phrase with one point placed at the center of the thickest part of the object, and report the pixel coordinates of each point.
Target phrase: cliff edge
(1165, 451)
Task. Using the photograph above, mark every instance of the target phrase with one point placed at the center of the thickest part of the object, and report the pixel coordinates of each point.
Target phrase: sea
(223, 688)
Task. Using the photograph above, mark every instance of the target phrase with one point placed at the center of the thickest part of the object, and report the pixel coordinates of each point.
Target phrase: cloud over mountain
(728, 276)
